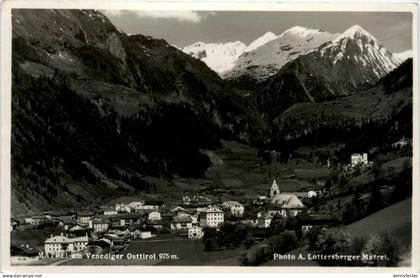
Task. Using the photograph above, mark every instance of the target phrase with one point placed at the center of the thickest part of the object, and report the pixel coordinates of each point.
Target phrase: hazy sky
(185, 27)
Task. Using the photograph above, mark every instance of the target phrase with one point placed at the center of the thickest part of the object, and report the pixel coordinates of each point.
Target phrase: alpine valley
(99, 114)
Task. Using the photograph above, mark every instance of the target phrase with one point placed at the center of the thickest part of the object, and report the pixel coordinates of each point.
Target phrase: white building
(100, 225)
(312, 194)
(358, 158)
(35, 220)
(56, 246)
(85, 218)
(195, 233)
(154, 216)
(212, 217)
(141, 234)
(401, 143)
(234, 207)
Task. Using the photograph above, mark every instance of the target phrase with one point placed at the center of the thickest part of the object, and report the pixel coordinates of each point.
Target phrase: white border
(5, 127)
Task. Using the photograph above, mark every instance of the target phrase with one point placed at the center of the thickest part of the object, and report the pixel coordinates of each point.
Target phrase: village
(111, 229)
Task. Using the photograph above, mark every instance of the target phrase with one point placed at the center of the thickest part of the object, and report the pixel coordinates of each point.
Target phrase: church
(286, 204)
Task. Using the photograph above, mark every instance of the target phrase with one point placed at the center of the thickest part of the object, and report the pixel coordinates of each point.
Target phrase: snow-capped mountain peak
(218, 56)
(267, 59)
(356, 32)
(269, 36)
(359, 47)
(300, 31)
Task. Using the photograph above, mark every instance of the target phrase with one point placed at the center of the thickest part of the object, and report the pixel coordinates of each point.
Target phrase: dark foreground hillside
(96, 110)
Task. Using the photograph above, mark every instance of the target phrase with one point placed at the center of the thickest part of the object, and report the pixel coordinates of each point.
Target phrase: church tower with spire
(274, 189)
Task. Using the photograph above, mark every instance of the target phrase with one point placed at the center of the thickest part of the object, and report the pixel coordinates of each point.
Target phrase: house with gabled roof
(307, 221)
(75, 227)
(139, 232)
(181, 223)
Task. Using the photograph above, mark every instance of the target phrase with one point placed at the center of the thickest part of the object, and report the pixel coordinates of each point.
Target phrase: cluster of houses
(114, 226)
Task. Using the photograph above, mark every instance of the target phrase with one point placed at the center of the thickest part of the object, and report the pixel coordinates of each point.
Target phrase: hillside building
(308, 221)
(35, 220)
(358, 158)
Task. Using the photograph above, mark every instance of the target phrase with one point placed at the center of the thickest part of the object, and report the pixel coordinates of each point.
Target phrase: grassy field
(394, 220)
(237, 169)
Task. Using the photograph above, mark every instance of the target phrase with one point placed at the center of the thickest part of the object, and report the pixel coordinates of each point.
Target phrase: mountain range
(98, 113)
(269, 53)
(353, 61)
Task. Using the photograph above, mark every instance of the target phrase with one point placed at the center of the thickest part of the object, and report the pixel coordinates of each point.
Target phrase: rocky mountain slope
(221, 57)
(135, 106)
(379, 115)
(353, 61)
(97, 113)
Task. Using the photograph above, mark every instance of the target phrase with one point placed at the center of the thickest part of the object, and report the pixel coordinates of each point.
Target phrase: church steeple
(274, 189)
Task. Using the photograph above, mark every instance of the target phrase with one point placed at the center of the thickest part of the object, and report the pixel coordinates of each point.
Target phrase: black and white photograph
(240, 138)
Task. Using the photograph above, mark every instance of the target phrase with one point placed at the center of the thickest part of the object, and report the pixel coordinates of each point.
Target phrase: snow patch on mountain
(220, 57)
(267, 37)
(404, 55)
(359, 47)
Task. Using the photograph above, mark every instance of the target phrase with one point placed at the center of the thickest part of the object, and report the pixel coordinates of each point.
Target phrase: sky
(183, 28)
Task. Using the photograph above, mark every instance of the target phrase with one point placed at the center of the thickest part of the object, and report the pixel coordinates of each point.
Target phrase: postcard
(188, 136)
